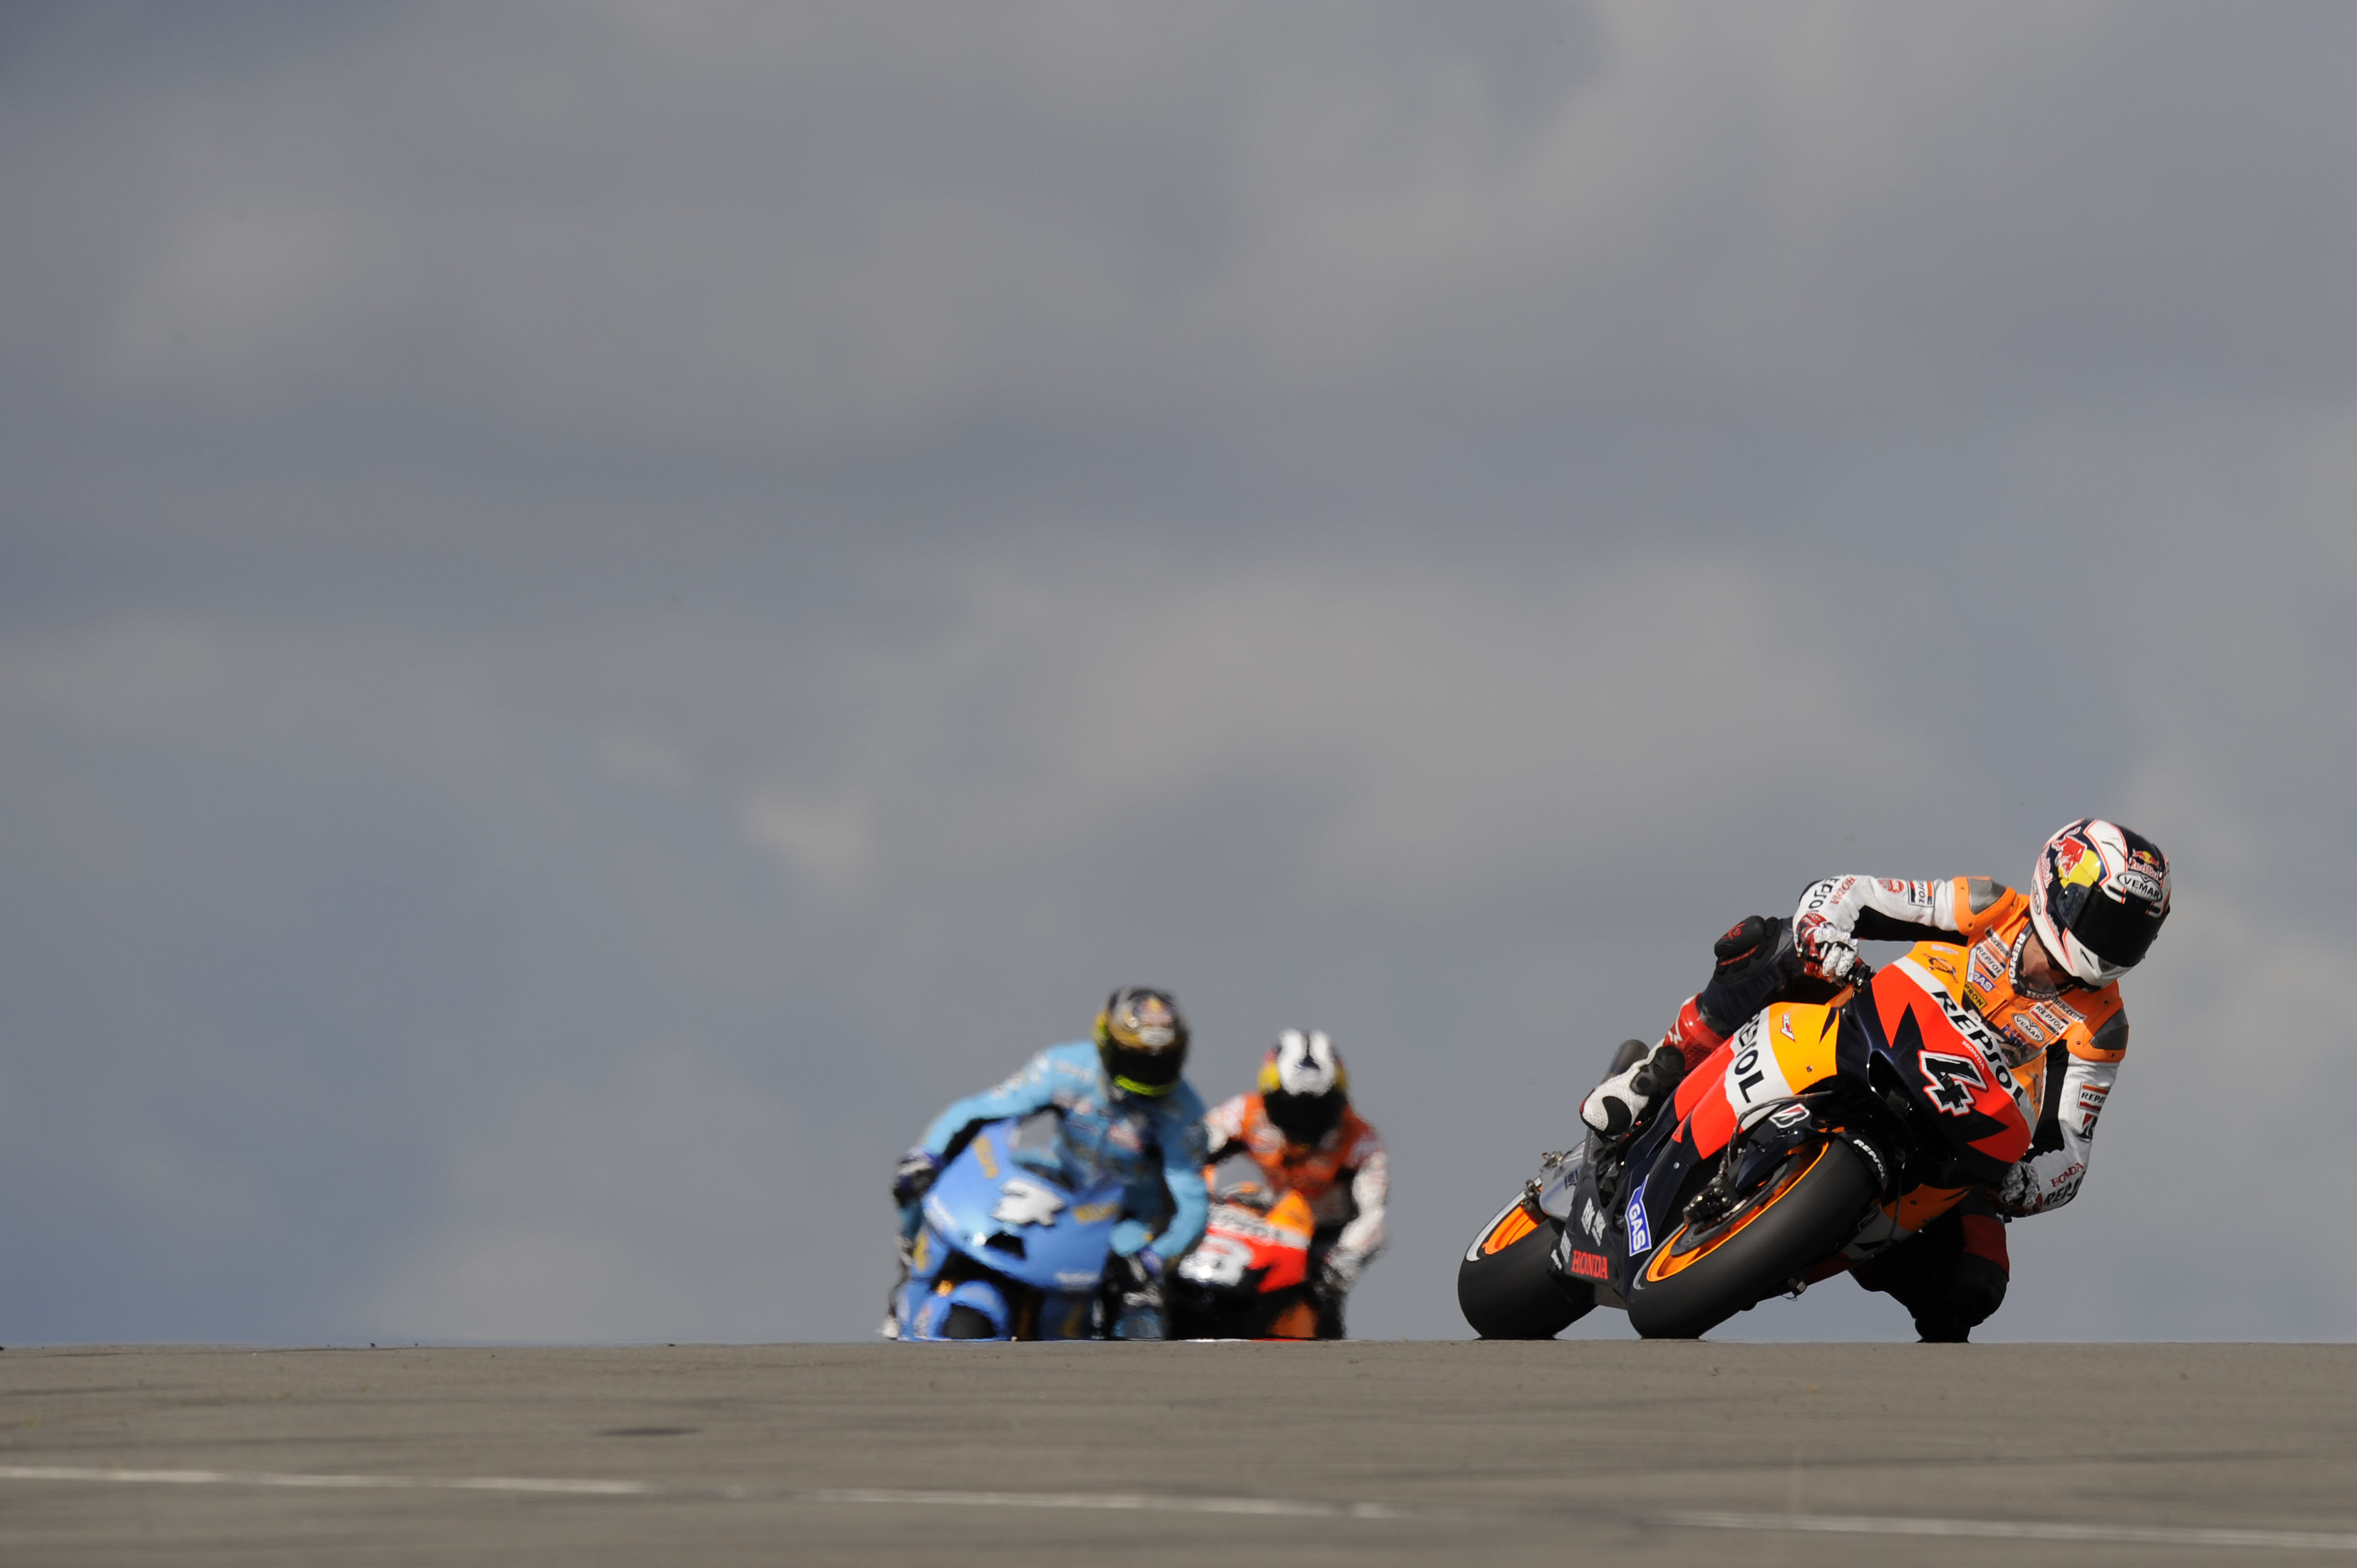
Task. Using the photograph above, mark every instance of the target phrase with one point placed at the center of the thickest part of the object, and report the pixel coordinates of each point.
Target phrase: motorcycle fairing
(1781, 1053)
(1623, 1225)
(1950, 1061)
(1902, 1216)
(931, 1311)
(1241, 1246)
(924, 1308)
(1017, 1219)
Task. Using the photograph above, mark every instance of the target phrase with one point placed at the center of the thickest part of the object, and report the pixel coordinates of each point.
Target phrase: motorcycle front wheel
(1505, 1286)
(1704, 1274)
(964, 1323)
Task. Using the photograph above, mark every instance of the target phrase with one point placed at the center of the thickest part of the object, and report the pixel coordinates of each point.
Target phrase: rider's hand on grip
(1130, 1238)
(1340, 1271)
(913, 1176)
(1826, 950)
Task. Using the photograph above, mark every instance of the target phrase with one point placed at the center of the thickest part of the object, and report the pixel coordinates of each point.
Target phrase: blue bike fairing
(1057, 1235)
(1149, 1144)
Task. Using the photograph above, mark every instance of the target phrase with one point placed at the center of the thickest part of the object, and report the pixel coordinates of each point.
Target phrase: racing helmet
(2097, 898)
(1304, 1086)
(1142, 1041)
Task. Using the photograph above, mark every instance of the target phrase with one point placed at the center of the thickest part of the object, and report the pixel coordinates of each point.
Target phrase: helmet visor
(1143, 1071)
(1303, 1117)
(2118, 931)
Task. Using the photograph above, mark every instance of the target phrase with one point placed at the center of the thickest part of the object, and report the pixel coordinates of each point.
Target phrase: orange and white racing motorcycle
(1248, 1278)
(1819, 1135)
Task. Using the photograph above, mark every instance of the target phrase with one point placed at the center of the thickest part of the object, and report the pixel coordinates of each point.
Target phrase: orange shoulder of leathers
(1311, 1172)
(2075, 1018)
(2009, 903)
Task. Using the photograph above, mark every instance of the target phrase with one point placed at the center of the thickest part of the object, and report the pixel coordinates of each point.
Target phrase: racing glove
(913, 1176)
(1135, 1283)
(1826, 950)
(1129, 1239)
(1616, 1105)
(1340, 1271)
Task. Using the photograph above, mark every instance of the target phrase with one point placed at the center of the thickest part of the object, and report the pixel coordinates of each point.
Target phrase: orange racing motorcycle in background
(1819, 1135)
(1248, 1278)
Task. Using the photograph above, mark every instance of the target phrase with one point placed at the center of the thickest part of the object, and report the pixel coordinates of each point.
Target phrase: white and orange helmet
(2097, 898)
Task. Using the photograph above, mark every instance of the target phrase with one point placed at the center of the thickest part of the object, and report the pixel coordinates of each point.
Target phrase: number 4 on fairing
(1950, 1083)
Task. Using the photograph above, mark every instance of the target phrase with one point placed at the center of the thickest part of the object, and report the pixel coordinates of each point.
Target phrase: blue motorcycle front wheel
(964, 1323)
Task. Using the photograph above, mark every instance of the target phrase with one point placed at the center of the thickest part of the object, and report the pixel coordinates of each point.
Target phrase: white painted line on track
(900, 1496)
(2012, 1529)
(1129, 1502)
(326, 1482)
(1137, 1502)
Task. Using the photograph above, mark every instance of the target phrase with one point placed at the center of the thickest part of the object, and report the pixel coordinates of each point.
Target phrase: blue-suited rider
(1123, 1109)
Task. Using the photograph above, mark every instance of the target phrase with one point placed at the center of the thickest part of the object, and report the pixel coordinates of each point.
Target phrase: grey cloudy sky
(602, 606)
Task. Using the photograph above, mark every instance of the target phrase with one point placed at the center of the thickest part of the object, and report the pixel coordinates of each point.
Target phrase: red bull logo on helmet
(2077, 863)
(2067, 854)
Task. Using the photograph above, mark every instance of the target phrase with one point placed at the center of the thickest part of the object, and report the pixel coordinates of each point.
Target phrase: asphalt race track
(1038, 1454)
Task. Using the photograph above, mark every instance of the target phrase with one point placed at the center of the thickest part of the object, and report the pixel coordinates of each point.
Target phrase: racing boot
(891, 1328)
(1615, 1108)
(1750, 966)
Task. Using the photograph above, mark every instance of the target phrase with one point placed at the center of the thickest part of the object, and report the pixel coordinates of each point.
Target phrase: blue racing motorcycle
(1014, 1243)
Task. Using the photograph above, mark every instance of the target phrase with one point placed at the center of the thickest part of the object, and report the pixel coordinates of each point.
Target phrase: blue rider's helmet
(1142, 1041)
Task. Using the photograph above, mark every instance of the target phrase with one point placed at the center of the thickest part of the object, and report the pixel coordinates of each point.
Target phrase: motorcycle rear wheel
(1511, 1292)
(1701, 1276)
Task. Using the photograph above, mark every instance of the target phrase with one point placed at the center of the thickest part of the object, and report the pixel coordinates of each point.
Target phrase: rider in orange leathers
(1301, 1131)
(2042, 967)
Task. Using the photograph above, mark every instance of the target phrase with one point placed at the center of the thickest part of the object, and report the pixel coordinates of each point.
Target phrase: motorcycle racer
(1299, 1128)
(1123, 1107)
(2041, 967)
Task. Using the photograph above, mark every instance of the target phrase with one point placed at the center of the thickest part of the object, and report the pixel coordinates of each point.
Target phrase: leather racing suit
(1345, 1179)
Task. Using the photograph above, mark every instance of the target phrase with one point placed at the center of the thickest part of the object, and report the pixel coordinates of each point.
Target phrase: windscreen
(1238, 1178)
(1038, 1145)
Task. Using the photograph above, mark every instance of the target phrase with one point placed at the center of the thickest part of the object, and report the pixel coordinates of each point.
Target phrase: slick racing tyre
(1704, 1274)
(1505, 1286)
